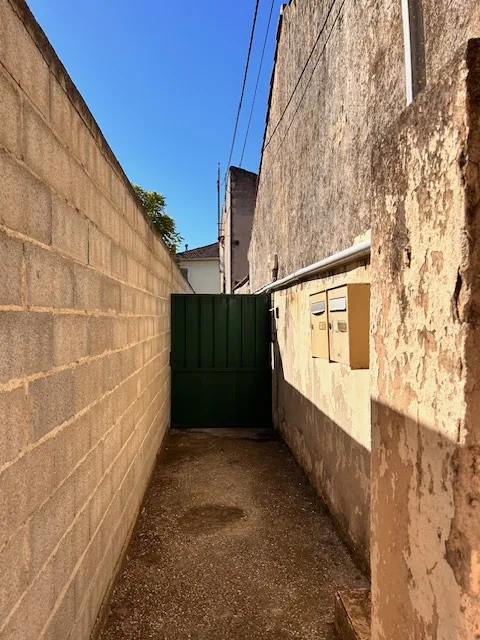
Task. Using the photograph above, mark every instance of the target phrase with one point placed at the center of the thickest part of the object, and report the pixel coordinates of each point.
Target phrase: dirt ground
(232, 543)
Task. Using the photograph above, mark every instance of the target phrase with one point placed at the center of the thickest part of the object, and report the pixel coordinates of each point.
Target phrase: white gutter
(352, 254)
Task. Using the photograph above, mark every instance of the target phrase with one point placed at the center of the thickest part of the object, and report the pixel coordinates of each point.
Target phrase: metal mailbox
(349, 325)
(319, 325)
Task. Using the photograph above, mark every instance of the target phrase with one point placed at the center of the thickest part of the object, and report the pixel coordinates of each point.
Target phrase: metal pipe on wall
(356, 252)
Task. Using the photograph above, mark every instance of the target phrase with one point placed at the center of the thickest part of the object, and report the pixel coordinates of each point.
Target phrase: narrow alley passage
(232, 543)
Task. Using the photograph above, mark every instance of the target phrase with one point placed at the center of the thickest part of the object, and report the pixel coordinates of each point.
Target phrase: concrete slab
(232, 543)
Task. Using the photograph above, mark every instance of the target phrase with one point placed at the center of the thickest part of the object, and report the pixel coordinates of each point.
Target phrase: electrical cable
(243, 87)
(258, 81)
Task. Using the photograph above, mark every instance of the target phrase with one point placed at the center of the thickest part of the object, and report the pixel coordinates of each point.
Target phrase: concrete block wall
(85, 335)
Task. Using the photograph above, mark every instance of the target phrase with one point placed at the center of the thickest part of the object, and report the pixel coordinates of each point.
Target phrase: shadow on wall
(336, 464)
(425, 530)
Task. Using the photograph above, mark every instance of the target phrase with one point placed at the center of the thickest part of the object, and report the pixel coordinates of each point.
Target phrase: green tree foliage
(154, 204)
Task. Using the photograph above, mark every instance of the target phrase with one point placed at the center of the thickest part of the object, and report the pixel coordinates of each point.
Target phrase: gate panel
(221, 373)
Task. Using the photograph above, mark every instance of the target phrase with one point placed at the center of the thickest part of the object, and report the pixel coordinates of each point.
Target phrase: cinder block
(63, 619)
(11, 257)
(13, 424)
(34, 610)
(10, 110)
(22, 58)
(88, 289)
(120, 332)
(69, 230)
(112, 370)
(48, 525)
(15, 573)
(50, 279)
(27, 343)
(70, 551)
(70, 338)
(101, 420)
(117, 190)
(111, 445)
(100, 334)
(99, 503)
(111, 294)
(119, 263)
(46, 155)
(89, 384)
(87, 476)
(51, 402)
(100, 250)
(72, 443)
(26, 202)
(19, 494)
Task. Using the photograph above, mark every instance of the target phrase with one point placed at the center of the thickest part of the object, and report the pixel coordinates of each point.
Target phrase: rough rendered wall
(425, 414)
(84, 333)
(322, 410)
(314, 194)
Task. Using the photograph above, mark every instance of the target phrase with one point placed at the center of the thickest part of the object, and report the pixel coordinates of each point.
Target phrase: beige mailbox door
(349, 325)
(319, 325)
(338, 325)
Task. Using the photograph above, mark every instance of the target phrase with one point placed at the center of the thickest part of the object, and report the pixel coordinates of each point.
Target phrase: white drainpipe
(352, 254)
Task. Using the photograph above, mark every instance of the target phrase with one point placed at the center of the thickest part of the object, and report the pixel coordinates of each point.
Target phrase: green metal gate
(221, 372)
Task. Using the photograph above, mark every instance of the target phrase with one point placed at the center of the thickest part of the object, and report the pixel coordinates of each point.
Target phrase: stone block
(101, 419)
(27, 343)
(26, 201)
(111, 445)
(11, 258)
(10, 111)
(48, 525)
(89, 384)
(15, 572)
(70, 338)
(13, 424)
(23, 59)
(69, 230)
(51, 402)
(99, 503)
(111, 294)
(50, 279)
(100, 250)
(120, 332)
(100, 334)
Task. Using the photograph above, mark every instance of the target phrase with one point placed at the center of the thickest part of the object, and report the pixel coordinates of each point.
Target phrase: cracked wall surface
(425, 420)
(85, 341)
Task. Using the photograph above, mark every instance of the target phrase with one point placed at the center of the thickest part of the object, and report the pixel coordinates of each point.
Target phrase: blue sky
(163, 81)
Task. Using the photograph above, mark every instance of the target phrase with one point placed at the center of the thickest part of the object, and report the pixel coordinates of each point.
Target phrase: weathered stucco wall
(314, 194)
(425, 352)
(322, 410)
(84, 333)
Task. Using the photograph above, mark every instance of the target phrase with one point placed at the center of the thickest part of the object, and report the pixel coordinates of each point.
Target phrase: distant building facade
(236, 227)
(201, 267)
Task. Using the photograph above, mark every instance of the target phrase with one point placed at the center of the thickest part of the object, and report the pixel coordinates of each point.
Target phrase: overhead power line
(258, 81)
(247, 64)
(324, 26)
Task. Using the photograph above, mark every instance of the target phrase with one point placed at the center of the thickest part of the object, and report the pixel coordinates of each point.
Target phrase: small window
(184, 271)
